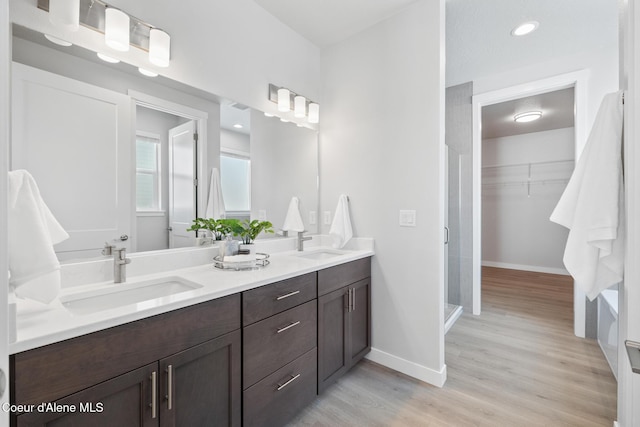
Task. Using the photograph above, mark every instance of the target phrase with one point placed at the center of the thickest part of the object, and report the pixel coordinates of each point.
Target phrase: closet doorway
(170, 154)
(520, 171)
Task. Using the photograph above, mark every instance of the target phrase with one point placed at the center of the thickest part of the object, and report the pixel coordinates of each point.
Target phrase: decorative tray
(261, 261)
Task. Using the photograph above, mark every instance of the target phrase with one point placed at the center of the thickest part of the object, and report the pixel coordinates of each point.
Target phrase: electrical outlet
(327, 217)
(262, 215)
(313, 218)
(407, 218)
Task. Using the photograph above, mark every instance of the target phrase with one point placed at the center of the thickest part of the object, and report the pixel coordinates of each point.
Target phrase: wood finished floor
(517, 364)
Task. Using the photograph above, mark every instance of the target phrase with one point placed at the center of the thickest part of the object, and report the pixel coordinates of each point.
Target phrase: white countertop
(39, 325)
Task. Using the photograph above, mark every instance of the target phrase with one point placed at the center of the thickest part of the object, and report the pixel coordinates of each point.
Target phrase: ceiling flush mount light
(528, 116)
(284, 99)
(107, 58)
(525, 28)
(159, 47)
(314, 113)
(65, 13)
(116, 29)
(299, 106)
(58, 41)
(147, 73)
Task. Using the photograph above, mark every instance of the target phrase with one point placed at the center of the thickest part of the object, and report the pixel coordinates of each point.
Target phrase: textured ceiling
(325, 22)
(556, 107)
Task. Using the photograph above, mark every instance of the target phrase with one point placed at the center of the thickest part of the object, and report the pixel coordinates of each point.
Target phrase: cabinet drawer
(279, 397)
(48, 373)
(272, 343)
(260, 303)
(333, 278)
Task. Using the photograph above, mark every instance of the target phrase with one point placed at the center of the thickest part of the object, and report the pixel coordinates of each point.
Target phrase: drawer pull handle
(154, 397)
(169, 387)
(292, 379)
(290, 294)
(288, 326)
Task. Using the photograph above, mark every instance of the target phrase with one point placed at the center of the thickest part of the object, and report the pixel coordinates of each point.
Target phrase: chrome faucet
(120, 261)
(301, 240)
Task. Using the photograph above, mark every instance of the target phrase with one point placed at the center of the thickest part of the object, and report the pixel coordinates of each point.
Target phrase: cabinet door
(201, 386)
(333, 359)
(125, 400)
(359, 336)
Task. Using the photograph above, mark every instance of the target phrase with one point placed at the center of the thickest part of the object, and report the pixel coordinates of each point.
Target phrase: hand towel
(341, 230)
(215, 201)
(591, 206)
(293, 220)
(33, 230)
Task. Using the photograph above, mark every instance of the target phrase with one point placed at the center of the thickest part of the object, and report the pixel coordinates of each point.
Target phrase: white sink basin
(124, 294)
(320, 254)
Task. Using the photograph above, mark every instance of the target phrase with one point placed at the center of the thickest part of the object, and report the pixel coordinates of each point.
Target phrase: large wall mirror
(127, 159)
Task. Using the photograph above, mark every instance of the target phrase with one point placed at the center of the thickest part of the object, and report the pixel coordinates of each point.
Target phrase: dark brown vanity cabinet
(179, 368)
(279, 350)
(344, 319)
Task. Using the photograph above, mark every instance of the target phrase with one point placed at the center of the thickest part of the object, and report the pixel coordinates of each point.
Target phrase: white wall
(233, 49)
(382, 144)
(516, 229)
(234, 142)
(284, 161)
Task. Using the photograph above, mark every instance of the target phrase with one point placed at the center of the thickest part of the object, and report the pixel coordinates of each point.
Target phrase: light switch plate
(262, 215)
(313, 218)
(407, 218)
(327, 217)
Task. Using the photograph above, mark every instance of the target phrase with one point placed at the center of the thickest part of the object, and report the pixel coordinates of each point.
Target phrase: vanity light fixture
(302, 106)
(527, 116)
(65, 13)
(147, 73)
(58, 41)
(159, 47)
(525, 28)
(284, 99)
(314, 112)
(107, 58)
(121, 31)
(299, 106)
(116, 29)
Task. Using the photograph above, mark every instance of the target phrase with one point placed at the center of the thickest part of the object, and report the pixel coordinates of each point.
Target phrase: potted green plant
(219, 228)
(249, 230)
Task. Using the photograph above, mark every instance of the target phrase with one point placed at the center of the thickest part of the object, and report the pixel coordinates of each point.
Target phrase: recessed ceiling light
(237, 126)
(107, 58)
(525, 28)
(527, 116)
(147, 73)
(58, 41)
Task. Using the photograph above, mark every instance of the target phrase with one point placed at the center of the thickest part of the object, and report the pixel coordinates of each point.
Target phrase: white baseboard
(422, 373)
(534, 268)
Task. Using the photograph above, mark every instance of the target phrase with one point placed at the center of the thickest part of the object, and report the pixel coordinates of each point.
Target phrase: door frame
(577, 80)
(5, 137)
(200, 117)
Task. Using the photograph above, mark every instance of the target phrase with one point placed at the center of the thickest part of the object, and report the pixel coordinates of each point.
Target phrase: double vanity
(196, 346)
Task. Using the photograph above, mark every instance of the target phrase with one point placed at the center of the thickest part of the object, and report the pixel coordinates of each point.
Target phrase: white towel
(591, 206)
(215, 201)
(341, 230)
(33, 230)
(293, 220)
